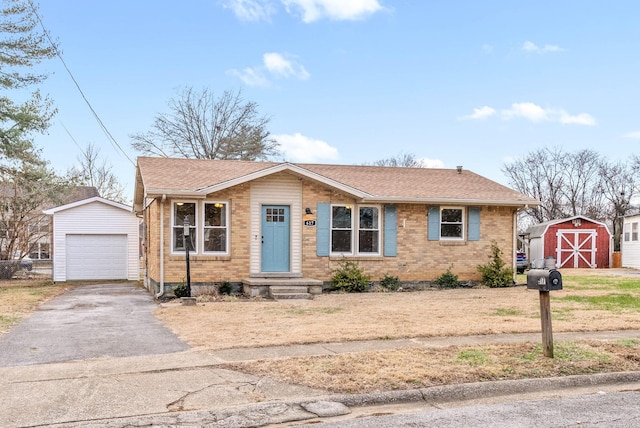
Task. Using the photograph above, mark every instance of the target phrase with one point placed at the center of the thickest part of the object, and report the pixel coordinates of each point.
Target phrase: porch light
(576, 222)
(186, 252)
(218, 205)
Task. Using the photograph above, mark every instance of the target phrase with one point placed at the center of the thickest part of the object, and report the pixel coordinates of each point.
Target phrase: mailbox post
(545, 280)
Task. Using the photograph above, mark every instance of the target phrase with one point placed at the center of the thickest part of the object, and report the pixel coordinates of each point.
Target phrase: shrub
(390, 282)
(225, 288)
(181, 290)
(350, 278)
(448, 280)
(495, 273)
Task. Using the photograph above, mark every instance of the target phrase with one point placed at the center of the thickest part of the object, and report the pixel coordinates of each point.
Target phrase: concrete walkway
(190, 389)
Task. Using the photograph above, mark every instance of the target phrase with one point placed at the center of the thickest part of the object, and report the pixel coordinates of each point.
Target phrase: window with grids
(634, 231)
(451, 223)
(368, 230)
(627, 232)
(275, 215)
(341, 228)
(215, 227)
(182, 210)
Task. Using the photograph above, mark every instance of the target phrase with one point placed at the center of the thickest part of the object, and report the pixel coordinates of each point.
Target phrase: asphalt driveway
(91, 321)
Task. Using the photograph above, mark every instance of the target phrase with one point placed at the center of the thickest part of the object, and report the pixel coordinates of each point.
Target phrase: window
(451, 223)
(215, 227)
(627, 233)
(341, 226)
(182, 210)
(634, 231)
(369, 230)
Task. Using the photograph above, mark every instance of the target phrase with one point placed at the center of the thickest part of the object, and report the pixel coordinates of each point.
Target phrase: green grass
(472, 357)
(569, 351)
(609, 302)
(629, 343)
(7, 321)
(599, 283)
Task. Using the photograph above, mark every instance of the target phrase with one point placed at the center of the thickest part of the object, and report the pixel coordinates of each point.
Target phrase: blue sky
(472, 83)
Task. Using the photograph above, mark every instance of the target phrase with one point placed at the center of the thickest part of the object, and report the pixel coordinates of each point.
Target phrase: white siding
(94, 218)
(280, 190)
(630, 249)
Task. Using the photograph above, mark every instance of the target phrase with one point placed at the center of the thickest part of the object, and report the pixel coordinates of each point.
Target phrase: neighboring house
(263, 223)
(630, 242)
(95, 239)
(574, 242)
(40, 229)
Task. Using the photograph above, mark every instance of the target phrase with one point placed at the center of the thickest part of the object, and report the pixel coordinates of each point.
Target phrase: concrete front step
(292, 296)
(282, 288)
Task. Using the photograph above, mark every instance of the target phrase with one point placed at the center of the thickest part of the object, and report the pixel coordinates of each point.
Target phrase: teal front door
(275, 238)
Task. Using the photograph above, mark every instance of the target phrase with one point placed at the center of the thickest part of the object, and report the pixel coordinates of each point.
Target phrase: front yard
(590, 301)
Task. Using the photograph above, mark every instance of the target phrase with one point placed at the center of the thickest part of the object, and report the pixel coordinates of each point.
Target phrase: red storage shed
(575, 242)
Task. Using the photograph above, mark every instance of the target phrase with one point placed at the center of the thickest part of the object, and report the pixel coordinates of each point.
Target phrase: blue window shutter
(390, 231)
(322, 229)
(474, 224)
(434, 223)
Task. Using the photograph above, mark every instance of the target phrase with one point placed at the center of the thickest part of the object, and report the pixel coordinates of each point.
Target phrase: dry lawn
(362, 316)
(590, 301)
(19, 297)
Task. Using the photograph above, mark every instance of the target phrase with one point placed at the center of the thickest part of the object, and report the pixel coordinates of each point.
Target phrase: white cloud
(250, 76)
(274, 65)
(532, 47)
(534, 113)
(487, 48)
(299, 148)
(529, 111)
(479, 113)
(635, 135)
(282, 65)
(431, 163)
(576, 119)
(251, 10)
(313, 10)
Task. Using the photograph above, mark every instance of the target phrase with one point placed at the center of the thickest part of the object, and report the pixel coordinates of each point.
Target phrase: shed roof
(198, 178)
(537, 230)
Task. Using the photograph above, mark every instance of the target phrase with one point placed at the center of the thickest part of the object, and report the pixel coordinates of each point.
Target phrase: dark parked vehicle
(521, 261)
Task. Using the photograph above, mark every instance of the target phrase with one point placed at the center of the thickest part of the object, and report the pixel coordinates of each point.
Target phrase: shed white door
(96, 257)
(576, 248)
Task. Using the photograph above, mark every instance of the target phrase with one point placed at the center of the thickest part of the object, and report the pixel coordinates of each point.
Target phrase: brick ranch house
(264, 225)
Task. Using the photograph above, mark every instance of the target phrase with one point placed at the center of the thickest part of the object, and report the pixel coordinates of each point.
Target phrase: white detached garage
(94, 239)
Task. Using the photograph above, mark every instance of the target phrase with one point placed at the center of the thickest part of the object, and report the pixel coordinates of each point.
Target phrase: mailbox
(544, 280)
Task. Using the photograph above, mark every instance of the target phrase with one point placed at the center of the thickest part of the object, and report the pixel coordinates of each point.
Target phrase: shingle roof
(169, 176)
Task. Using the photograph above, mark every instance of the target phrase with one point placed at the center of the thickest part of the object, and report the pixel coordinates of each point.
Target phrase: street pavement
(103, 379)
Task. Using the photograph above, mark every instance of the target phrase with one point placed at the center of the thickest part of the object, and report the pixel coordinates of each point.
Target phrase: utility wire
(95, 114)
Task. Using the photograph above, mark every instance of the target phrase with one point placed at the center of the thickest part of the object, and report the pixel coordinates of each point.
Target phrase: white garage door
(96, 257)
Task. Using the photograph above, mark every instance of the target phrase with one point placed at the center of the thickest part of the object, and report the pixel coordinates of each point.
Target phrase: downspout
(515, 244)
(161, 291)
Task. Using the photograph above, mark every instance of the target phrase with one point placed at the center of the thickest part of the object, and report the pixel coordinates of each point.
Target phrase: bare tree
(203, 127)
(96, 172)
(581, 190)
(407, 160)
(619, 182)
(540, 175)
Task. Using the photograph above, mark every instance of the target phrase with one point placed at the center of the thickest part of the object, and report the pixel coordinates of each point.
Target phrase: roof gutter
(440, 201)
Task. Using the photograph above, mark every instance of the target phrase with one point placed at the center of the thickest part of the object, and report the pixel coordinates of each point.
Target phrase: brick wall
(417, 258)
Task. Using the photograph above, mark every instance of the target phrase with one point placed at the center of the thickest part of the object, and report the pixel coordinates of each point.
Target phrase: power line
(95, 114)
